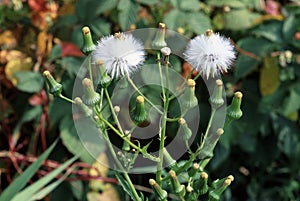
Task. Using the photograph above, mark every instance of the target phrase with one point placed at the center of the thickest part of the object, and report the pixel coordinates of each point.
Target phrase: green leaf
(29, 81)
(291, 103)
(147, 2)
(89, 137)
(100, 27)
(230, 3)
(190, 5)
(30, 191)
(239, 19)
(124, 185)
(22, 180)
(71, 65)
(270, 31)
(48, 189)
(127, 13)
(289, 27)
(174, 19)
(198, 22)
(257, 46)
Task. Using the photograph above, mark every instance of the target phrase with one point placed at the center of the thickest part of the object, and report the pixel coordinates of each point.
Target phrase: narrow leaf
(28, 192)
(22, 180)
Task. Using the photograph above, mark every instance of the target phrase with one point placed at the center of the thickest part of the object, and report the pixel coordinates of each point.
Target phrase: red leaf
(37, 5)
(36, 99)
(69, 49)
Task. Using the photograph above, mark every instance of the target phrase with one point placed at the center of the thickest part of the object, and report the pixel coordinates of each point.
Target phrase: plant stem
(140, 93)
(66, 99)
(113, 112)
(164, 121)
(125, 174)
(90, 68)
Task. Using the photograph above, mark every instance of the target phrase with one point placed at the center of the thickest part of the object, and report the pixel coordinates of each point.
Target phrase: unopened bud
(88, 44)
(54, 87)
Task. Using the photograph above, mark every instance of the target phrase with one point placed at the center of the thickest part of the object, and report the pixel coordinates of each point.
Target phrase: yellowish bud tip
(78, 100)
(219, 83)
(220, 131)
(191, 82)
(140, 99)
(181, 121)
(189, 189)
(204, 175)
(117, 109)
(85, 30)
(238, 95)
(227, 182)
(162, 25)
(231, 178)
(99, 62)
(46, 73)
(132, 27)
(152, 182)
(196, 166)
(172, 174)
(87, 82)
(180, 30)
(209, 32)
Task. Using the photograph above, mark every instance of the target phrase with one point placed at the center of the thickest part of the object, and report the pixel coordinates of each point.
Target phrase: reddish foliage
(69, 49)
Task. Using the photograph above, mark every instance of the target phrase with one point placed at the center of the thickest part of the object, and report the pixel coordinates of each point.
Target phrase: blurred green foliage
(261, 150)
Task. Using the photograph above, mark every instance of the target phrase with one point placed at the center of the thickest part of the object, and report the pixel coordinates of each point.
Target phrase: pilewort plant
(117, 58)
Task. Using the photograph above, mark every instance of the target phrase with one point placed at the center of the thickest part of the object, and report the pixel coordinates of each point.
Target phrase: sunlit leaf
(269, 76)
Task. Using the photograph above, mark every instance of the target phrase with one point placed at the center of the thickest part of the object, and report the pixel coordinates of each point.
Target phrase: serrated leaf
(198, 22)
(239, 19)
(174, 19)
(269, 79)
(22, 180)
(29, 192)
(128, 13)
(100, 27)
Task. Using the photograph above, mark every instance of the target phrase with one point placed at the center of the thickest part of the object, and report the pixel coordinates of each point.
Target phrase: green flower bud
(194, 169)
(178, 188)
(160, 194)
(139, 115)
(103, 79)
(111, 118)
(215, 194)
(88, 44)
(234, 110)
(189, 100)
(126, 146)
(168, 159)
(54, 87)
(216, 100)
(159, 40)
(90, 97)
(201, 184)
(86, 110)
(184, 131)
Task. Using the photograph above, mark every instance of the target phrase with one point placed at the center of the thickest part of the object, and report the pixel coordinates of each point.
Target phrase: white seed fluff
(121, 54)
(210, 55)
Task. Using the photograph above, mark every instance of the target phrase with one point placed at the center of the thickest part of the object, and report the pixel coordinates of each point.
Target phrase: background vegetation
(261, 150)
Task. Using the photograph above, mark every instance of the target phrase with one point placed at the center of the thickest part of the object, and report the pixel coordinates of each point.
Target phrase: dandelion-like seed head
(121, 54)
(210, 54)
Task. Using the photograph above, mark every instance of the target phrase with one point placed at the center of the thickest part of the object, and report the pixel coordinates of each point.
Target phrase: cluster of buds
(196, 188)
